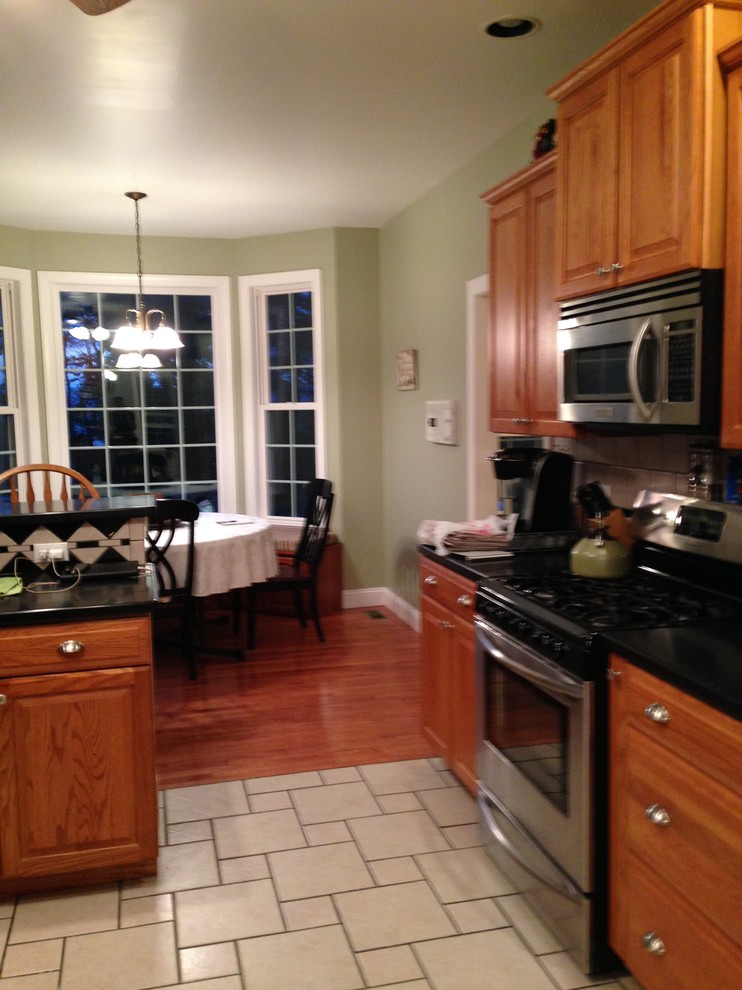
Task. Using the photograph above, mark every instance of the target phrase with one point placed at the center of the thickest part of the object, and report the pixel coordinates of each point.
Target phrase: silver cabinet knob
(654, 944)
(445, 625)
(3, 699)
(657, 815)
(70, 646)
(615, 267)
(464, 600)
(657, 712)
(431, 579)
(612, 674)
(602, 271)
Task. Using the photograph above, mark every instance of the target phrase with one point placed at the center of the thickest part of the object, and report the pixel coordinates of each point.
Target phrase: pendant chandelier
(144, 331)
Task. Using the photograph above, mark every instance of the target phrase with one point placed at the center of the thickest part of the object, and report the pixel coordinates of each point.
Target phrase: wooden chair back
(311, 545)
(46, 482)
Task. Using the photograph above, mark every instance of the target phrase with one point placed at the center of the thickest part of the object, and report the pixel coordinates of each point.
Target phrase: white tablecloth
(232, 551)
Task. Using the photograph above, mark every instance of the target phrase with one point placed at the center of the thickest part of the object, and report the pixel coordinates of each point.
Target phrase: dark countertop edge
(88, 601)
(87, 613)
(687, 658)
(100, 508)
(671, 654)
(474, 570)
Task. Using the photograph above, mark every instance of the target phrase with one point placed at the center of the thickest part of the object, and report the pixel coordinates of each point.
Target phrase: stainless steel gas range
(542, 667)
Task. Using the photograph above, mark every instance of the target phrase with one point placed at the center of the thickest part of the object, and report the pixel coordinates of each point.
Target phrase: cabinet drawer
(695, 732)
(75, 646)
(696, 953)
(698, 851)
(448, 589)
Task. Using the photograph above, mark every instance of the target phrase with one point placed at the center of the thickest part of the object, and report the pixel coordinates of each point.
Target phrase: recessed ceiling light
(512, 27)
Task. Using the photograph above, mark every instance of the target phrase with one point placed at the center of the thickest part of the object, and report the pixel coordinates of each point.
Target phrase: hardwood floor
(294, 704)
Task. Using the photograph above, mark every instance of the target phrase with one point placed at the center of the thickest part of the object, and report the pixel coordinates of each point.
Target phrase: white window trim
(51, 284)
(251, 290)
(25, 372)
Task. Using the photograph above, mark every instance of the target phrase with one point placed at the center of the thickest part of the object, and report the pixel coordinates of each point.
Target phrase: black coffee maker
(540, 484)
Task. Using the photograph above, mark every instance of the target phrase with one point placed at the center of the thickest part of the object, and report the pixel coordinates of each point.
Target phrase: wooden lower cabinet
(675, 826)
(448, 688)
(78, 797)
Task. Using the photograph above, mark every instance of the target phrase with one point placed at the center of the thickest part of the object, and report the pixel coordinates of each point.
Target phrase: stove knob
(558, 647)
(522, 626)
(546, 640)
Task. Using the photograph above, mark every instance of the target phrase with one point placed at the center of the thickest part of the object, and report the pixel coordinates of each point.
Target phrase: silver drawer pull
(431, 579)
(654, 944)
(657, 712)
(442, 624)
(657, 815)
(464, 600)
(70, 646)
(612, 674)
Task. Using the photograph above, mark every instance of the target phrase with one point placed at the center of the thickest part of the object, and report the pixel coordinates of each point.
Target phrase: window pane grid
(8, 457)
(141, 430)
(289, 419)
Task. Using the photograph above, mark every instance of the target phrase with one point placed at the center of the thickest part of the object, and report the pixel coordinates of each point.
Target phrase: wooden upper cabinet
(587, 185)
(523, 310)
(731, 413)
(642, 152)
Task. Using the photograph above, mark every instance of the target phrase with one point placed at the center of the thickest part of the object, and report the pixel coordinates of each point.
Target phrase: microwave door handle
(645, 409)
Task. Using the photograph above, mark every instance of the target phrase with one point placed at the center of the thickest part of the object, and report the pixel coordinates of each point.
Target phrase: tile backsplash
(625, 465)
(92, 540)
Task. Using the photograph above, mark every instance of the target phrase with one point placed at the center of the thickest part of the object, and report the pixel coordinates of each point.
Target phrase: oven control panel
(576, 653)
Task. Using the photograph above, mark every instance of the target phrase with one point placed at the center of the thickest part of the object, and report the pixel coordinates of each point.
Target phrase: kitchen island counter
(89, 599)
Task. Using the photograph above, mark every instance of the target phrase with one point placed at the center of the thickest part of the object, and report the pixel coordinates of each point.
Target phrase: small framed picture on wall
(406, 370)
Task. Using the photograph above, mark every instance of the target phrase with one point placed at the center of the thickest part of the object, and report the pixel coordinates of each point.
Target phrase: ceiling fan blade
(98, 6)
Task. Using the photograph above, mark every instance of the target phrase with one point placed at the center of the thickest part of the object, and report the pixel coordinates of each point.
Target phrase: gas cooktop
(640, 601)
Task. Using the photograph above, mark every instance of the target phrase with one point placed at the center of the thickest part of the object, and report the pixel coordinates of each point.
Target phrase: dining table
(231, 551)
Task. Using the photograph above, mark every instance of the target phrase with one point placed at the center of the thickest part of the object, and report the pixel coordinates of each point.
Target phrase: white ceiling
(247, 117)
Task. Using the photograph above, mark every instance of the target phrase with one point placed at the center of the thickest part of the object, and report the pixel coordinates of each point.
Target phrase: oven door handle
(539, 671)
(537, 863)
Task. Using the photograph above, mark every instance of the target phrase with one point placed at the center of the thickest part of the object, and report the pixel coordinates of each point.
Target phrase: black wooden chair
(175, 590)
(300, 576)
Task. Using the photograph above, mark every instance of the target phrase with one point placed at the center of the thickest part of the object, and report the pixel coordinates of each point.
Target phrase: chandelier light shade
(143, 331)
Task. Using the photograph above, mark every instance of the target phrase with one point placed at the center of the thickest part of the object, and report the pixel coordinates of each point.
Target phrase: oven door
(535, 753)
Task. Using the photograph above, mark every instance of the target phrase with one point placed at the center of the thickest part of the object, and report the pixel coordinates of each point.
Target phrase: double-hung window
(164, 426)
(282, 345)
(19, 406)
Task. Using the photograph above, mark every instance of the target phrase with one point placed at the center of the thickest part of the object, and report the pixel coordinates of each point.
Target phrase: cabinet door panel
(507, 313)
(464, 697)
(435, 689)
(543, 310)
(588, 189)
(731, 425)
(699, 850)
(697, 955)
(660, 171)
(77, 772)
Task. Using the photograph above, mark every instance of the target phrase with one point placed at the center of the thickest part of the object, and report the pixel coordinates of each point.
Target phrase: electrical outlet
(44, 552)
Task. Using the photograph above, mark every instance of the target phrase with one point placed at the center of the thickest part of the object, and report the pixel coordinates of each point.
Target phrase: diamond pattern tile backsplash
(111, 539)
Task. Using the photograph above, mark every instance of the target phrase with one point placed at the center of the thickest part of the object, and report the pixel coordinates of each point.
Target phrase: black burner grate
(636, 602)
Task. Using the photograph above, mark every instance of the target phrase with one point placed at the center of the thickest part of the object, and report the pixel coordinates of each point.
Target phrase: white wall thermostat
(441, 422)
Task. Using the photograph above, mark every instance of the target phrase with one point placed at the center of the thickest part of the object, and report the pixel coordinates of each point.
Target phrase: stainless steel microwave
(644, 355)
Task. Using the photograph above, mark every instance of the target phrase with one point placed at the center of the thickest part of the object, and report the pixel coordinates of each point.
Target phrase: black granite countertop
(705, 660)
(129, 506)
(88, 600)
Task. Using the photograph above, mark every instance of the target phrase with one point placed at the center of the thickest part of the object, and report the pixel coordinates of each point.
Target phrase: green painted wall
(427, 254)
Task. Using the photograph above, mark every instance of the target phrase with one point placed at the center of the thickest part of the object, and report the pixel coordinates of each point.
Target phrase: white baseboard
(373, 597)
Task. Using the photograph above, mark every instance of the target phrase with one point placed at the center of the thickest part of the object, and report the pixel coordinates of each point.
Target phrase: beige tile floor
(369, 876)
